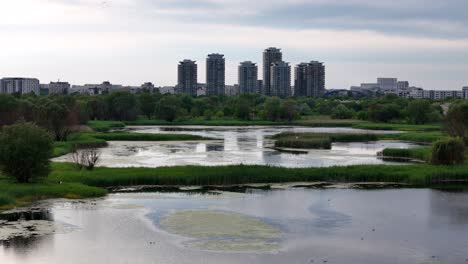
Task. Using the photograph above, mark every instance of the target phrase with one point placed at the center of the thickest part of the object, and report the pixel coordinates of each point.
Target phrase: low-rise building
(59, 87)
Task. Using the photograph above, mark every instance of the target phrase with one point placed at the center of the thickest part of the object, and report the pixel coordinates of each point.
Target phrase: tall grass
(401, 127)
(105, 126)
(418, 175)
(422, 154)
(233, 122)
(317, 141)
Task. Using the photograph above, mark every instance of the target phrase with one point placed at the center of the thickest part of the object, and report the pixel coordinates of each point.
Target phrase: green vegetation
(422, 154)
(418, 175)
(456, 122)
(145, 137)
(99, 140)
(448, 152)
(24, 151)
(105, 126)
(415, 137)
(400, 127)
(14, 194)
(317, 141)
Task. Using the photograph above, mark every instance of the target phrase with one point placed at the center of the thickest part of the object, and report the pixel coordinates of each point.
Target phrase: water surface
(240, 145)
(308, 226)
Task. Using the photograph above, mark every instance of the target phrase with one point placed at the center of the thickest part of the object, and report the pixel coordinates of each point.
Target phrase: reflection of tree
(25, 243)
(448, 207)
(27, 215)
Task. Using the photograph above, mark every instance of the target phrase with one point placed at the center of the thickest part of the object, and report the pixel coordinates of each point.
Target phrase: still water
(291, 225)
(239, 145)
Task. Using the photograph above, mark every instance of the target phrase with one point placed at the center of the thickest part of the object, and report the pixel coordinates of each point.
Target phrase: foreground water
(278, 226)
(240, 145)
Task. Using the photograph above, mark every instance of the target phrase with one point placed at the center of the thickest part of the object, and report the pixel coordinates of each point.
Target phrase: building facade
(187, 77)
(270, 56)
(247, 77)
(465, 92)
(215, 74)
(59, 87)
(20, 85)
(388, 85)
(280, 79)
(309, 79)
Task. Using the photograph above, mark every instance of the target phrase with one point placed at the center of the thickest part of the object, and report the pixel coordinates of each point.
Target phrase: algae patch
(222, 231)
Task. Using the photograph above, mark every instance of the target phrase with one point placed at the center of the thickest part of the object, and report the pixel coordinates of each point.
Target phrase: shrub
(448, 152)
(342, 112)
(25, 150)
(456, 121)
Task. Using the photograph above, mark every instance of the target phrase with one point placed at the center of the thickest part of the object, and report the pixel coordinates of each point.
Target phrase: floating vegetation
(222, 231)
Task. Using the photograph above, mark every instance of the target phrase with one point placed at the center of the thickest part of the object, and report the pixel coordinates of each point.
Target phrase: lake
(282, 225)
(240, 145)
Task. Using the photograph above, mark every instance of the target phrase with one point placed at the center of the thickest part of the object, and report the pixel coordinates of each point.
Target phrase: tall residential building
(20, 85)
(187, 77)
(270, 56)
(59, 87)
(248, 77)
(280, 79)
(309, 79)
(215, 74)
(388, 84)
(259, 86)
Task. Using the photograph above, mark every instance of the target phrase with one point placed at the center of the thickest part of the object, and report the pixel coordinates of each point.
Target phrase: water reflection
(343, 226)
(240, 145)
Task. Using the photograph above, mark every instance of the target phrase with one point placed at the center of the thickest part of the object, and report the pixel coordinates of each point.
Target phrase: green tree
(384, 113)
(272, 109)
(8, 109)
(419, 111)
(167, 108)
(25, 150)
(342, 112)
(456, 121)
(147, 104)
(122, 106)
(288, 110)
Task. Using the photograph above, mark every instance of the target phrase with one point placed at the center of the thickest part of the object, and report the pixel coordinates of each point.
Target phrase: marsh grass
(317, 141)
(422, 154)
(105, 126)
(418, 175)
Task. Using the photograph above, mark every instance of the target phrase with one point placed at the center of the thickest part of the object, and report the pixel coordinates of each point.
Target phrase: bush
(342, 112)
(456, 121)
(448, 152)
(25, 150)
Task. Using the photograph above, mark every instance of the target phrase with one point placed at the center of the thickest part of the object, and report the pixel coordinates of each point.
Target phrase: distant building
(187, 77)
(59, 87)
(465, 92)
(20, 85)
(148, 86)
(215, 74)
(402, 85)
(232, 90)
(201, 89)
(96, 89)
(388, 85)
(248, 77)
(167, 89)
(259, 86)
(270, 56)
(309, 79)
(280, 79)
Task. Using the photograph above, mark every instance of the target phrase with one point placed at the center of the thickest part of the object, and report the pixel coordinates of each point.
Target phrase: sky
(135, 41)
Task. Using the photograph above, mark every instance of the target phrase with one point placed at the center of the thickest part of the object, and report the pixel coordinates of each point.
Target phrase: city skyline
(133, 41)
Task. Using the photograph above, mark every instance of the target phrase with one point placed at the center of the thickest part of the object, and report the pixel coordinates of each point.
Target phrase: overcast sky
(135, 41)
